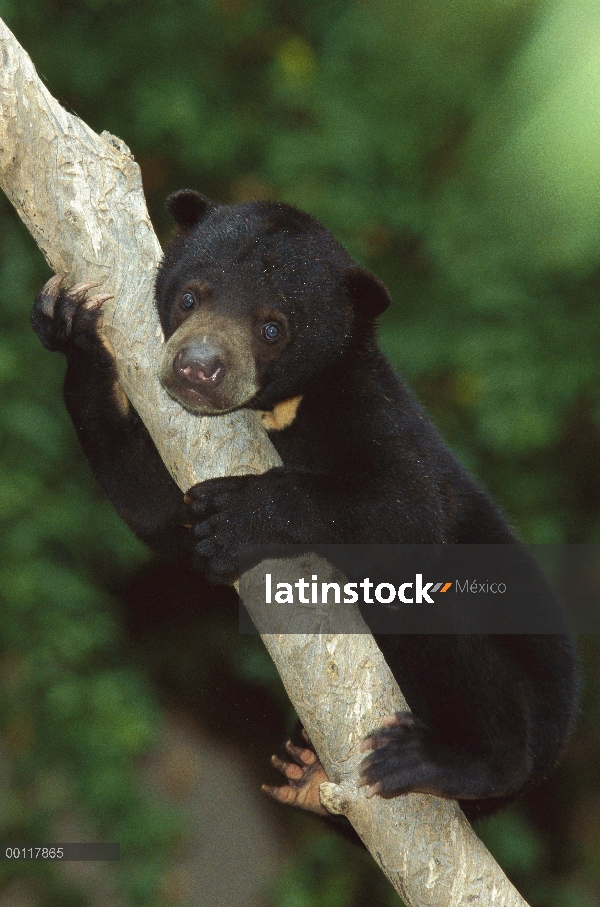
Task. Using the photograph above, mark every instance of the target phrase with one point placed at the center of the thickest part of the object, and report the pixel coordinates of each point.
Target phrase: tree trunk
(81, 197)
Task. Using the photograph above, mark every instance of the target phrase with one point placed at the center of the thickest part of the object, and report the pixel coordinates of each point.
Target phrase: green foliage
(513, 841)
(453, 147)
(73, 717)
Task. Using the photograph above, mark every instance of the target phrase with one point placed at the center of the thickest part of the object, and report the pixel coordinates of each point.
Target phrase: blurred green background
(454, 147)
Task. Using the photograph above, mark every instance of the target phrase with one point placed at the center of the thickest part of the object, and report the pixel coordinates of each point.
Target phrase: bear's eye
(270, 331)
(188, 301)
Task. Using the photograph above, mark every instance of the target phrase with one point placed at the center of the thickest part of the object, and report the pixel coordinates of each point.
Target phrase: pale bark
(80, 195)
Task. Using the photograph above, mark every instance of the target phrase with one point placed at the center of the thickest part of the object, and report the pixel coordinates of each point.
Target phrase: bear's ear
(369, 295)
(187, 208)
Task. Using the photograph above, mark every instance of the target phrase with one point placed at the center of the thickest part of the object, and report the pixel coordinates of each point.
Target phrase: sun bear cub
(261, 307)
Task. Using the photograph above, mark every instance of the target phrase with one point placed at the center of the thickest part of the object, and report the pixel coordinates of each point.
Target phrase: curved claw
(78, 291)
(46, 298)
(96, 301)
(54, 284)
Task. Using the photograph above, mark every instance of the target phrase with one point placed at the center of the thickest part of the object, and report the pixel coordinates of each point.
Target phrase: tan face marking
(282, 415)
(234, 342)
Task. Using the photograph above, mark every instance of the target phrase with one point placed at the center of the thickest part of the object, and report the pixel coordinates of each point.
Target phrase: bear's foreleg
(115, 441)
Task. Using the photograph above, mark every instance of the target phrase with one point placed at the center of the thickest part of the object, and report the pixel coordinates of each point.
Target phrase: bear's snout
(208, 363)
(199, 365)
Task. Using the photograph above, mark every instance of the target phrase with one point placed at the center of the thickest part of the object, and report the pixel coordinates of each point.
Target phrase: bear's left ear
(367, 292)
(188, 207)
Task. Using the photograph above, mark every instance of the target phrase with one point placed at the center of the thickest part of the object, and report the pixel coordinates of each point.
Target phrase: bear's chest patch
(281, 416)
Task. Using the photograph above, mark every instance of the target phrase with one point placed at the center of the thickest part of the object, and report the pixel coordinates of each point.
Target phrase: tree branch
(80, 195)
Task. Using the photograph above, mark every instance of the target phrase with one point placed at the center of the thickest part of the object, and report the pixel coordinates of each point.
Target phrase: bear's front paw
(64, 319)
(219, 512)
(304, 775)
(401, 758)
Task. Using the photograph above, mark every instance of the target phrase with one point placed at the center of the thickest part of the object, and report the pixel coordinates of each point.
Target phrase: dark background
(454, 147)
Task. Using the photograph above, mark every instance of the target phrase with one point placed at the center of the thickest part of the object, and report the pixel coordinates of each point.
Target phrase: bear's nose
(199, 365)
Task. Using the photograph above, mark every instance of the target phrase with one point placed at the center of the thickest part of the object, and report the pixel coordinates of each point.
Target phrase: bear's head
(258, 302)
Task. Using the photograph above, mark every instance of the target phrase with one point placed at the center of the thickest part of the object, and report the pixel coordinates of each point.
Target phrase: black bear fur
(362, 463)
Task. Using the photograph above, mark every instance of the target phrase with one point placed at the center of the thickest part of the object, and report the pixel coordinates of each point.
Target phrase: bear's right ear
(368, 293)
(188, 207)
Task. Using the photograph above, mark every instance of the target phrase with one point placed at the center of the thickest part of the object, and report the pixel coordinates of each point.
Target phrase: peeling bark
(80, 195)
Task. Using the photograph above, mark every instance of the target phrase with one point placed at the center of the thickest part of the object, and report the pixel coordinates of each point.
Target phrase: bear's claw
(64, 319)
